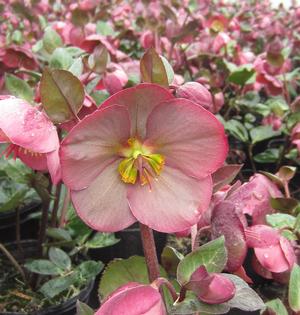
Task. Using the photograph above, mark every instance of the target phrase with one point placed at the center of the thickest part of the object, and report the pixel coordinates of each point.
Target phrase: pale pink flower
(31, 136)
(134, 299)
(146, 156)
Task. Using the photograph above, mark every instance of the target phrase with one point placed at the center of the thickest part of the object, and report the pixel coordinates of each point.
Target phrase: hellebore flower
(31, 136)
(273, 251)
(144, 155)
(133, 299)
(211, 288)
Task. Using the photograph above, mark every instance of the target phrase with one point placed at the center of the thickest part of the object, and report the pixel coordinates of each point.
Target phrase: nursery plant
(174, 117)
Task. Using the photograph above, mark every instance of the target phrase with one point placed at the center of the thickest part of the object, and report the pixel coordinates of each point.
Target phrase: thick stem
(149, 252)
(56, 204)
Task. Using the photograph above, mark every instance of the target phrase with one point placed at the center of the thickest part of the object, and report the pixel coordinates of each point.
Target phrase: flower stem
(64, 209)
(56, 205)
(150, 252)
(162, 281)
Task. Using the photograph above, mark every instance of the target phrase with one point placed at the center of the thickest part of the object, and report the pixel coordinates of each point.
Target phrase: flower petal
(134, 299)
(226, 221)
(54, 168)
(190, 137)
(36, 162)
(140, 101)
(27, 127)
(174, 203)
(103, 205)
(272, 258)
(92, 145)
(219, 290)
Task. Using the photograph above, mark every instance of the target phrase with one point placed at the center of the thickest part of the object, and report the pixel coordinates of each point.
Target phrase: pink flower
(273, 252)
(31, 136)
(296, 136)
(146, 156)
(253, 197)
(133, 299)
(211, 288)
(272, 120)
(197, 93)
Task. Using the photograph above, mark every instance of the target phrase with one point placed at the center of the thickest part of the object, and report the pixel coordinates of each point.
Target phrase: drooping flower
(146, 156)
(133, 299)
(273, 251)
(211, 288)
(30, 136)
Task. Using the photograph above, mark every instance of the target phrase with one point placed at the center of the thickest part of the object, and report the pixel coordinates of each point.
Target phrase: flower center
(15, 150)
(139, 160)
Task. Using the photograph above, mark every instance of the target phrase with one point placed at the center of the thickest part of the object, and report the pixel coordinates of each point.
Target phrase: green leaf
(245, 298)
(237, 130)
(55, 286)
(294, 289)
(18, 87)
(289, 235)
(268, 156)
(77, 67)
(262, 133)
(60, 258)
(100, 240)
(105, 29)
(89, 269)
(62, 95)
(242, 75)
(277, 307)
(153, 69)
(122, 271)
(191, 305)
(59, 234)
(51, 40)
(281, 220)
(43, 267)
(17, 171)
(212, 255)
(14, 201)
(83, 309)
(170, 258)
(60, 59)
(297, 224)
(169, 69)
(284, 204)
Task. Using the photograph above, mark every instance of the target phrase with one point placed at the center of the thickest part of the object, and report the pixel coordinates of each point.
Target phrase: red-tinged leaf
(152, 68)
(62, 95)
(225, 175)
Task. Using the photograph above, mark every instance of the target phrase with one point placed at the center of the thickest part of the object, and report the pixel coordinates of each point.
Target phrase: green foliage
(212, 255)
(18, 87)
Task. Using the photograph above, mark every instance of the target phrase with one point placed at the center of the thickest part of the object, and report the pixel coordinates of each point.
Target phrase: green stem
(56, 204)
(64, 209)
(150, 252)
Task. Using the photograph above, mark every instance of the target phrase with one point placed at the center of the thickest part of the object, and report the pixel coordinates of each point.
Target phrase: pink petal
(92, 145)
(27, 127)
(190, 137)
(54, 168)
(140, 101)
(272, 258)
(36, 162)
(220, 290)
(260, 270)
(225, 221)
(3, 137)
(174, 203)
(103, 205)
(134, 299)
(261, 236)
(288, 251)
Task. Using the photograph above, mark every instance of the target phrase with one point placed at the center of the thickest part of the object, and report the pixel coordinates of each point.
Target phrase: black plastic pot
(130, 244)
(28, 249)
(28, 226)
